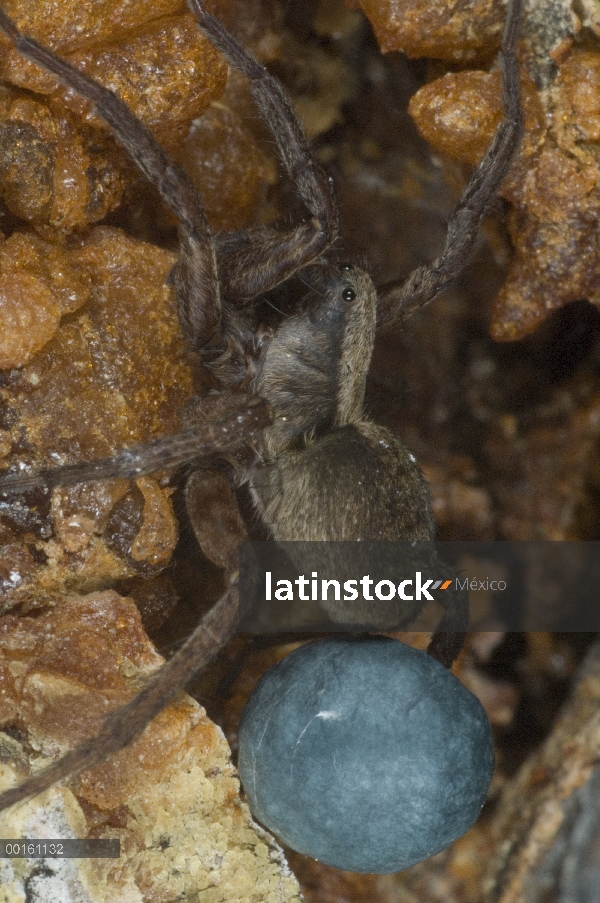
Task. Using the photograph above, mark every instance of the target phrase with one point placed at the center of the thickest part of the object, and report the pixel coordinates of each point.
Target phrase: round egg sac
(364, 753)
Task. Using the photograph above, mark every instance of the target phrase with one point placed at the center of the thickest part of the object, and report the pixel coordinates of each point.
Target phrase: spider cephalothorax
(293, 393)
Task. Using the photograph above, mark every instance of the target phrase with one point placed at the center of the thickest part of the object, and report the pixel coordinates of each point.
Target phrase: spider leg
(161, 454)
(127, 722)
(196, 278)
(398, 301)
(449, 636)
(259, 260)
(215, 517)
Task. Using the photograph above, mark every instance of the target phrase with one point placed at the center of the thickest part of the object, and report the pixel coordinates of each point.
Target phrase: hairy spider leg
(261, 259)
(215, 629)
(252, 416)
(400, 299)
(450, 633)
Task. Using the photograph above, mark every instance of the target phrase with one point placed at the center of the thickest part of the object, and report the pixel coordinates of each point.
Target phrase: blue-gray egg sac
(365, 754)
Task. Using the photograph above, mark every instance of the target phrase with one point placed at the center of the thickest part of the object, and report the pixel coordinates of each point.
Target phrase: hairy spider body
(319, 469)
(310, 482)
(323, 472)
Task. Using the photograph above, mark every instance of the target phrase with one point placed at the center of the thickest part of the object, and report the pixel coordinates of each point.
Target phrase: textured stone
(62, 169)
(552, 184)
(439, 29)
(172, 798)
(114, 375)
(365, 754)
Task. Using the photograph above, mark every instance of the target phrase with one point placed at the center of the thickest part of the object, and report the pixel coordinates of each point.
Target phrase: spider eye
(348, 294)
(346, 267)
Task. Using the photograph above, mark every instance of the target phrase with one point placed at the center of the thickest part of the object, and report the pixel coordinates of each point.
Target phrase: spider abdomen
(358, 482)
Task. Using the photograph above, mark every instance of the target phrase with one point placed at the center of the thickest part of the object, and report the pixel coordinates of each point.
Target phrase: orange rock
(167, 74)
(72, 25)
(553, 183)
(39, 284)
(113, 376)
(171, 799)
(439, 29)
(230, 168)
(61, 167)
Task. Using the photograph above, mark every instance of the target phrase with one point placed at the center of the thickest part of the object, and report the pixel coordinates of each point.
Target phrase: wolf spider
(292, 399)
